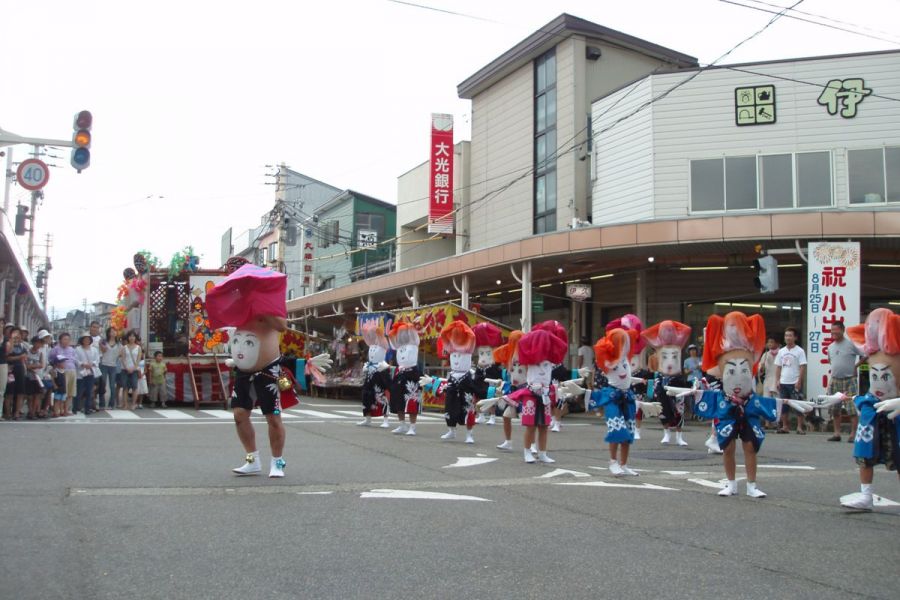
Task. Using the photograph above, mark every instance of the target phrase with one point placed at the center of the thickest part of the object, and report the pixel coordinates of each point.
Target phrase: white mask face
(460, 363)
(669, 360)
(485, 356)
(882, 383)
(376, 354)
(635, 363)
(244, 349)
(737, 376)
(539, 374)
(407, 356)
(619, 375)
(517, 373)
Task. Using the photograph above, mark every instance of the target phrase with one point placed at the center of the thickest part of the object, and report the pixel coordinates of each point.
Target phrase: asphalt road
(147, 508)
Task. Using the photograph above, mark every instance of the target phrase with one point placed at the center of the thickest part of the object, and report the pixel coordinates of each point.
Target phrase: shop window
(874, 175)
(329, 233)
(545, 149)
(707, 185)
(813, 179)
(776, 181)
(740, 182)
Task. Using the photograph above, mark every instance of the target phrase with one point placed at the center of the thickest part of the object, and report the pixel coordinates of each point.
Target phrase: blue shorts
(129, 380)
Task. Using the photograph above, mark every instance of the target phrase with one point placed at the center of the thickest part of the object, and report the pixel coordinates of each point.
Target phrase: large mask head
(539, 350)
(373, 335)
(256, 343)
(508, 356)
(460, 362)
(733, 346)
(613, 354)
(668, 338)
(487, 337)
(405, 340)
(879, 339)
(539, 374)
(458, 342)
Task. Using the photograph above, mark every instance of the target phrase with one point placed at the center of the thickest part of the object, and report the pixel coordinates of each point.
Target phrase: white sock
(276, 458)
(866, 488)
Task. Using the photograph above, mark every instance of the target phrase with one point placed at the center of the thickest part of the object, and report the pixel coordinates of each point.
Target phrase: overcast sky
(192, 99)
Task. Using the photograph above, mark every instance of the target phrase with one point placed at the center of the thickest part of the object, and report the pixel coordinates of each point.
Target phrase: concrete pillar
(526, 296)
(464, 291)
(11, 317)
(640, 296)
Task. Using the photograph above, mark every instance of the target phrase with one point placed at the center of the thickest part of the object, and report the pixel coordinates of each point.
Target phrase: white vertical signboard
(832, 295)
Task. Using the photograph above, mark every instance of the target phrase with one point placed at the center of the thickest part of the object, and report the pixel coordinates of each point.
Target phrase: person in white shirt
(87, 361)
(790, 372)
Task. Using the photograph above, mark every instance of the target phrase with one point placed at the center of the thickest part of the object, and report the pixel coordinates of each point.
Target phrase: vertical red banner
(440, 205)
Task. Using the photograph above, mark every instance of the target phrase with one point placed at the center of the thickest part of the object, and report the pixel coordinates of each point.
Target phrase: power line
(444, 11)
(825, 18)
(794, 80)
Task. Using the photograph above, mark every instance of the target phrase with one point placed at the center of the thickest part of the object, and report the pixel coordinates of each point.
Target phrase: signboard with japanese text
(578, 291)
(440, 203)
(367, 238)
(843, 95)
(308, 262)
(832, 295)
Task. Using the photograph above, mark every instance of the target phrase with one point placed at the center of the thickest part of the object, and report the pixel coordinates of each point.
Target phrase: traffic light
(766, 279)
(21, 215)
(81, 140)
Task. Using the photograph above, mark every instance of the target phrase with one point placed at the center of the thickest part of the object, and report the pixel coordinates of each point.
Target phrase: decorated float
(166, 306)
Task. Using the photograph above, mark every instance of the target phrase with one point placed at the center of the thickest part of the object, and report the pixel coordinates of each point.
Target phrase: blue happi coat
(870, 430)
(714, 405)
(620, 408)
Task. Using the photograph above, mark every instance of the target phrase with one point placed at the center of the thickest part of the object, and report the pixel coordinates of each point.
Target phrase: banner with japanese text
(832, 295)
(440, 203)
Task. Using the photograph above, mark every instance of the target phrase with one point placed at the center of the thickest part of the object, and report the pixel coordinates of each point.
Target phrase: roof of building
(552, 33)
(348, 194)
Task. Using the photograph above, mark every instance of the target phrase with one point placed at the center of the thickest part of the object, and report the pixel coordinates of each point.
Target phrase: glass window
(551, 190)
(551, 147)
(540, 75)
(813, 179)
(707, 185)
(866, 176)
(550, 68)
(540, 110)
(740, 182)
(551, 108)
(892, 163)
(540, 194)
(776, 181)
(540, 151)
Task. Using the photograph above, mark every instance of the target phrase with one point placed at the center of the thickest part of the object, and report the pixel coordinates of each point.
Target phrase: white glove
(425, 380)
(585, 372)
(826, 401)
(803, 406)
(636, 380)
(680, 392)
(494, 382)
(229, 362)
(572, 388)
(486, 404)
(383, 366)
(322, 361)
(892, 405)
(650, 409)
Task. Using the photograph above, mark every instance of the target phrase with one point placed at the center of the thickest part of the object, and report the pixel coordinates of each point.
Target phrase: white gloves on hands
(892, 405)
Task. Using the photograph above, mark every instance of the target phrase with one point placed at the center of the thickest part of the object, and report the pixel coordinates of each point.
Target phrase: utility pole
(47, 266)
(7, 184)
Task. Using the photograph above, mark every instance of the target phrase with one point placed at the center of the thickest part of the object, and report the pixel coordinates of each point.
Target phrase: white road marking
(676, 472)
(171, 413)
(469, 461)
(316, 414)
(882, 501)
(635, 486)
(123, 415)
(718, 485)
(418, 495)
(787, 467)
(220, 414)
(314, 493)
(561, 472)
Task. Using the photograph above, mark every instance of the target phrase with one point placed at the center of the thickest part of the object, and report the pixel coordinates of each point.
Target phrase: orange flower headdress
(456, 336)
(880, 333)
(734, 331)
(373, 334)
(504, 354)
(667, 333)
(617, 344)
(403, 334)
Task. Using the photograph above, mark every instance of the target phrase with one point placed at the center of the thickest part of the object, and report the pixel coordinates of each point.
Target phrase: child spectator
(34, 365)
(65, 351)
(158, 380)
(58, 377)
(142, 388)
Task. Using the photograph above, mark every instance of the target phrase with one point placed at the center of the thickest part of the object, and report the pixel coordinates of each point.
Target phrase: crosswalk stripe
(218, 413)
(171, 413)
(315, 413)
(123, 415)
(352, 413)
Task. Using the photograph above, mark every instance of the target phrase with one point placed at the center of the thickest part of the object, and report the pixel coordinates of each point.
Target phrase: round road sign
(32, 174)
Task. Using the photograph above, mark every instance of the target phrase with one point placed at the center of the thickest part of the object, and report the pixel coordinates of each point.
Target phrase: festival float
(166, 306)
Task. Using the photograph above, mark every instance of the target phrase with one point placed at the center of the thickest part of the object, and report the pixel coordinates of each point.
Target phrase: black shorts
(33, 386)
(744, 431)
(260, 391)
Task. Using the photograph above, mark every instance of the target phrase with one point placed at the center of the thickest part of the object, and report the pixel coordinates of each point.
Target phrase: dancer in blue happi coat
(877, 439)
(733, 346)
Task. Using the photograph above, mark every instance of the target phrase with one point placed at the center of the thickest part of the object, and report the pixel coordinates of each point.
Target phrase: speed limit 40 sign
(32, 174)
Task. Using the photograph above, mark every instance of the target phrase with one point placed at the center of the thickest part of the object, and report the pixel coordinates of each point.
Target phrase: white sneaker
(450, 435)
(402, 428)
(730, 489)
(637, 433)
(630, 472)
(679, 439)
(506, 445)
(365, 422)
(533, 449)
(666, 437)
(754, 492)
(615, 469)
(529, 457)
(385, 424)
(555, 427)
(858, 501)
(250, 466)
(411, 430)
(469, 438)
(479, 420)
(492, 420)
(545, 458)
(277, 468)
(712, 445)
